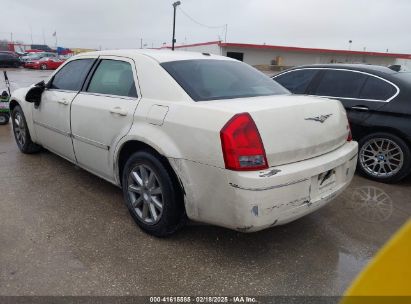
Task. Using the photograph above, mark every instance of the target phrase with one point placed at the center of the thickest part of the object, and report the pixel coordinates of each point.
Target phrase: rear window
(377, 89)
(404, 76)
(208, 79)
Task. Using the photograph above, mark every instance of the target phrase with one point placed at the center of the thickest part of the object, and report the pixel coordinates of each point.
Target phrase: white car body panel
(187, 134)
(52, 122)
(99, 121)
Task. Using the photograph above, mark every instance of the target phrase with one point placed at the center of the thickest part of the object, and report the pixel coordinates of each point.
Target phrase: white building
(285, 56)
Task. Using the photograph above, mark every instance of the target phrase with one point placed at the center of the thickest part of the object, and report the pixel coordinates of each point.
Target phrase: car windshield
(34, 56)
(210, 79)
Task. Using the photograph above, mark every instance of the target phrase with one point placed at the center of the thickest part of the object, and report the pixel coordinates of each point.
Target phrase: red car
(46, 63)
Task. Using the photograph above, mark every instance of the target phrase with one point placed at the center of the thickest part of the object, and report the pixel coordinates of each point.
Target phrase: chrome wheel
(381, 157)
(19, 129)
(43, 67)
(145, 194)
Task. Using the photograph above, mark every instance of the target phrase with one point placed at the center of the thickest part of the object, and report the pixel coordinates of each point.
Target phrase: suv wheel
(384, 157)
(21, 132)
(152, 194)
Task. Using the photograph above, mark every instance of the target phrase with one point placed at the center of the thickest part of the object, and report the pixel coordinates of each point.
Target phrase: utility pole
(31, 34)
(175, 4)
(11, 37)
(225, 34)
(141, 43)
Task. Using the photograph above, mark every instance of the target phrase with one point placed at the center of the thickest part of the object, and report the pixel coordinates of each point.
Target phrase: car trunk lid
(292, 128)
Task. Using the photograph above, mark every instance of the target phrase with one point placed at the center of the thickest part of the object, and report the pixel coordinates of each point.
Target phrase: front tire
(43, 67)
(384, 157)
(22, 133)
(152, 194)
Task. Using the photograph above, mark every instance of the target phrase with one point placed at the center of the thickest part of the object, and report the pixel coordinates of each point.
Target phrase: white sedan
(190, 135)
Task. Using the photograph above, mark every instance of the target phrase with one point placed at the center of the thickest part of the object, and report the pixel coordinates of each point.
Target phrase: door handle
(119, 111)
(63, 101)
(360, 108)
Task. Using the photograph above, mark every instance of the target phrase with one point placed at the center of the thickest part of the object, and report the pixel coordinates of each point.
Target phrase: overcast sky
(377, 25)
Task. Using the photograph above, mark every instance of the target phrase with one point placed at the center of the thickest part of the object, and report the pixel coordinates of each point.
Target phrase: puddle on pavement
(370, 203)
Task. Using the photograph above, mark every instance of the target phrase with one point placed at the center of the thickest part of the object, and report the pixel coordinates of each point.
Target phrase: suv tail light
(243, 149)
(349, 137)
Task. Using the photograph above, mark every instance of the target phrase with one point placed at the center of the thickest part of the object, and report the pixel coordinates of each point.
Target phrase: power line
(199, 23)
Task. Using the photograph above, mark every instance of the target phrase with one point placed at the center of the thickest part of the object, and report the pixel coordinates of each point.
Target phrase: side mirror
(34, 94)
(4, 94)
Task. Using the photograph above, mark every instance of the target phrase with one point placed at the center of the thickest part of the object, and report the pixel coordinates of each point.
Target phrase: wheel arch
(26, 108)
(384, 129)
(127, 148)
(13, 103)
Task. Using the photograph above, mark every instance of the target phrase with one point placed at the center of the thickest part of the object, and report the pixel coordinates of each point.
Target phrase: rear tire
(152, 194)
(22, 133)
(384, 157)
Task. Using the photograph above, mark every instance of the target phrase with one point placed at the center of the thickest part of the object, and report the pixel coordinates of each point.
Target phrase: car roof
(369, 68)
(159, 55)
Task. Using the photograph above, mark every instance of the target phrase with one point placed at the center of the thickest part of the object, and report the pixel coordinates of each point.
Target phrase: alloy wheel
(2, 119)
(145, 194)
(381, 157)
(19, 129)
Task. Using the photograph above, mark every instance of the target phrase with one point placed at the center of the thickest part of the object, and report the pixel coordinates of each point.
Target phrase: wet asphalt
(64, 231)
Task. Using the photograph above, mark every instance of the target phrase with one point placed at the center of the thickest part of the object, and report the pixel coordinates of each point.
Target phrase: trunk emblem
(321, 118)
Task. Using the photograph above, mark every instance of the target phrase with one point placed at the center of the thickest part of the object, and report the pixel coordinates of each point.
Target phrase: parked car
(46, 63)
(378, 103)
(190, 135)
(37, 56)
(9, 61)
(14, 54)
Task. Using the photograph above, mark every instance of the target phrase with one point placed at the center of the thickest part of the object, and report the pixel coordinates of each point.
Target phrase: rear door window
(296, 81)
(336, 83)
(72, 75)
(113, 77)
(377, 89)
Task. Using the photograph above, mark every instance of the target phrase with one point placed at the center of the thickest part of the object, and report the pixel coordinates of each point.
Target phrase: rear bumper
(252, 201)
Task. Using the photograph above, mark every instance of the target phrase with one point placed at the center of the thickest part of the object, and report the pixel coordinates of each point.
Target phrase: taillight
(349, 137)
(243, 149)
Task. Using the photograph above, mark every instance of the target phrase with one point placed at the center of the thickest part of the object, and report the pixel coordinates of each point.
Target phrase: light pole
(175, 4)
(349, 44)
